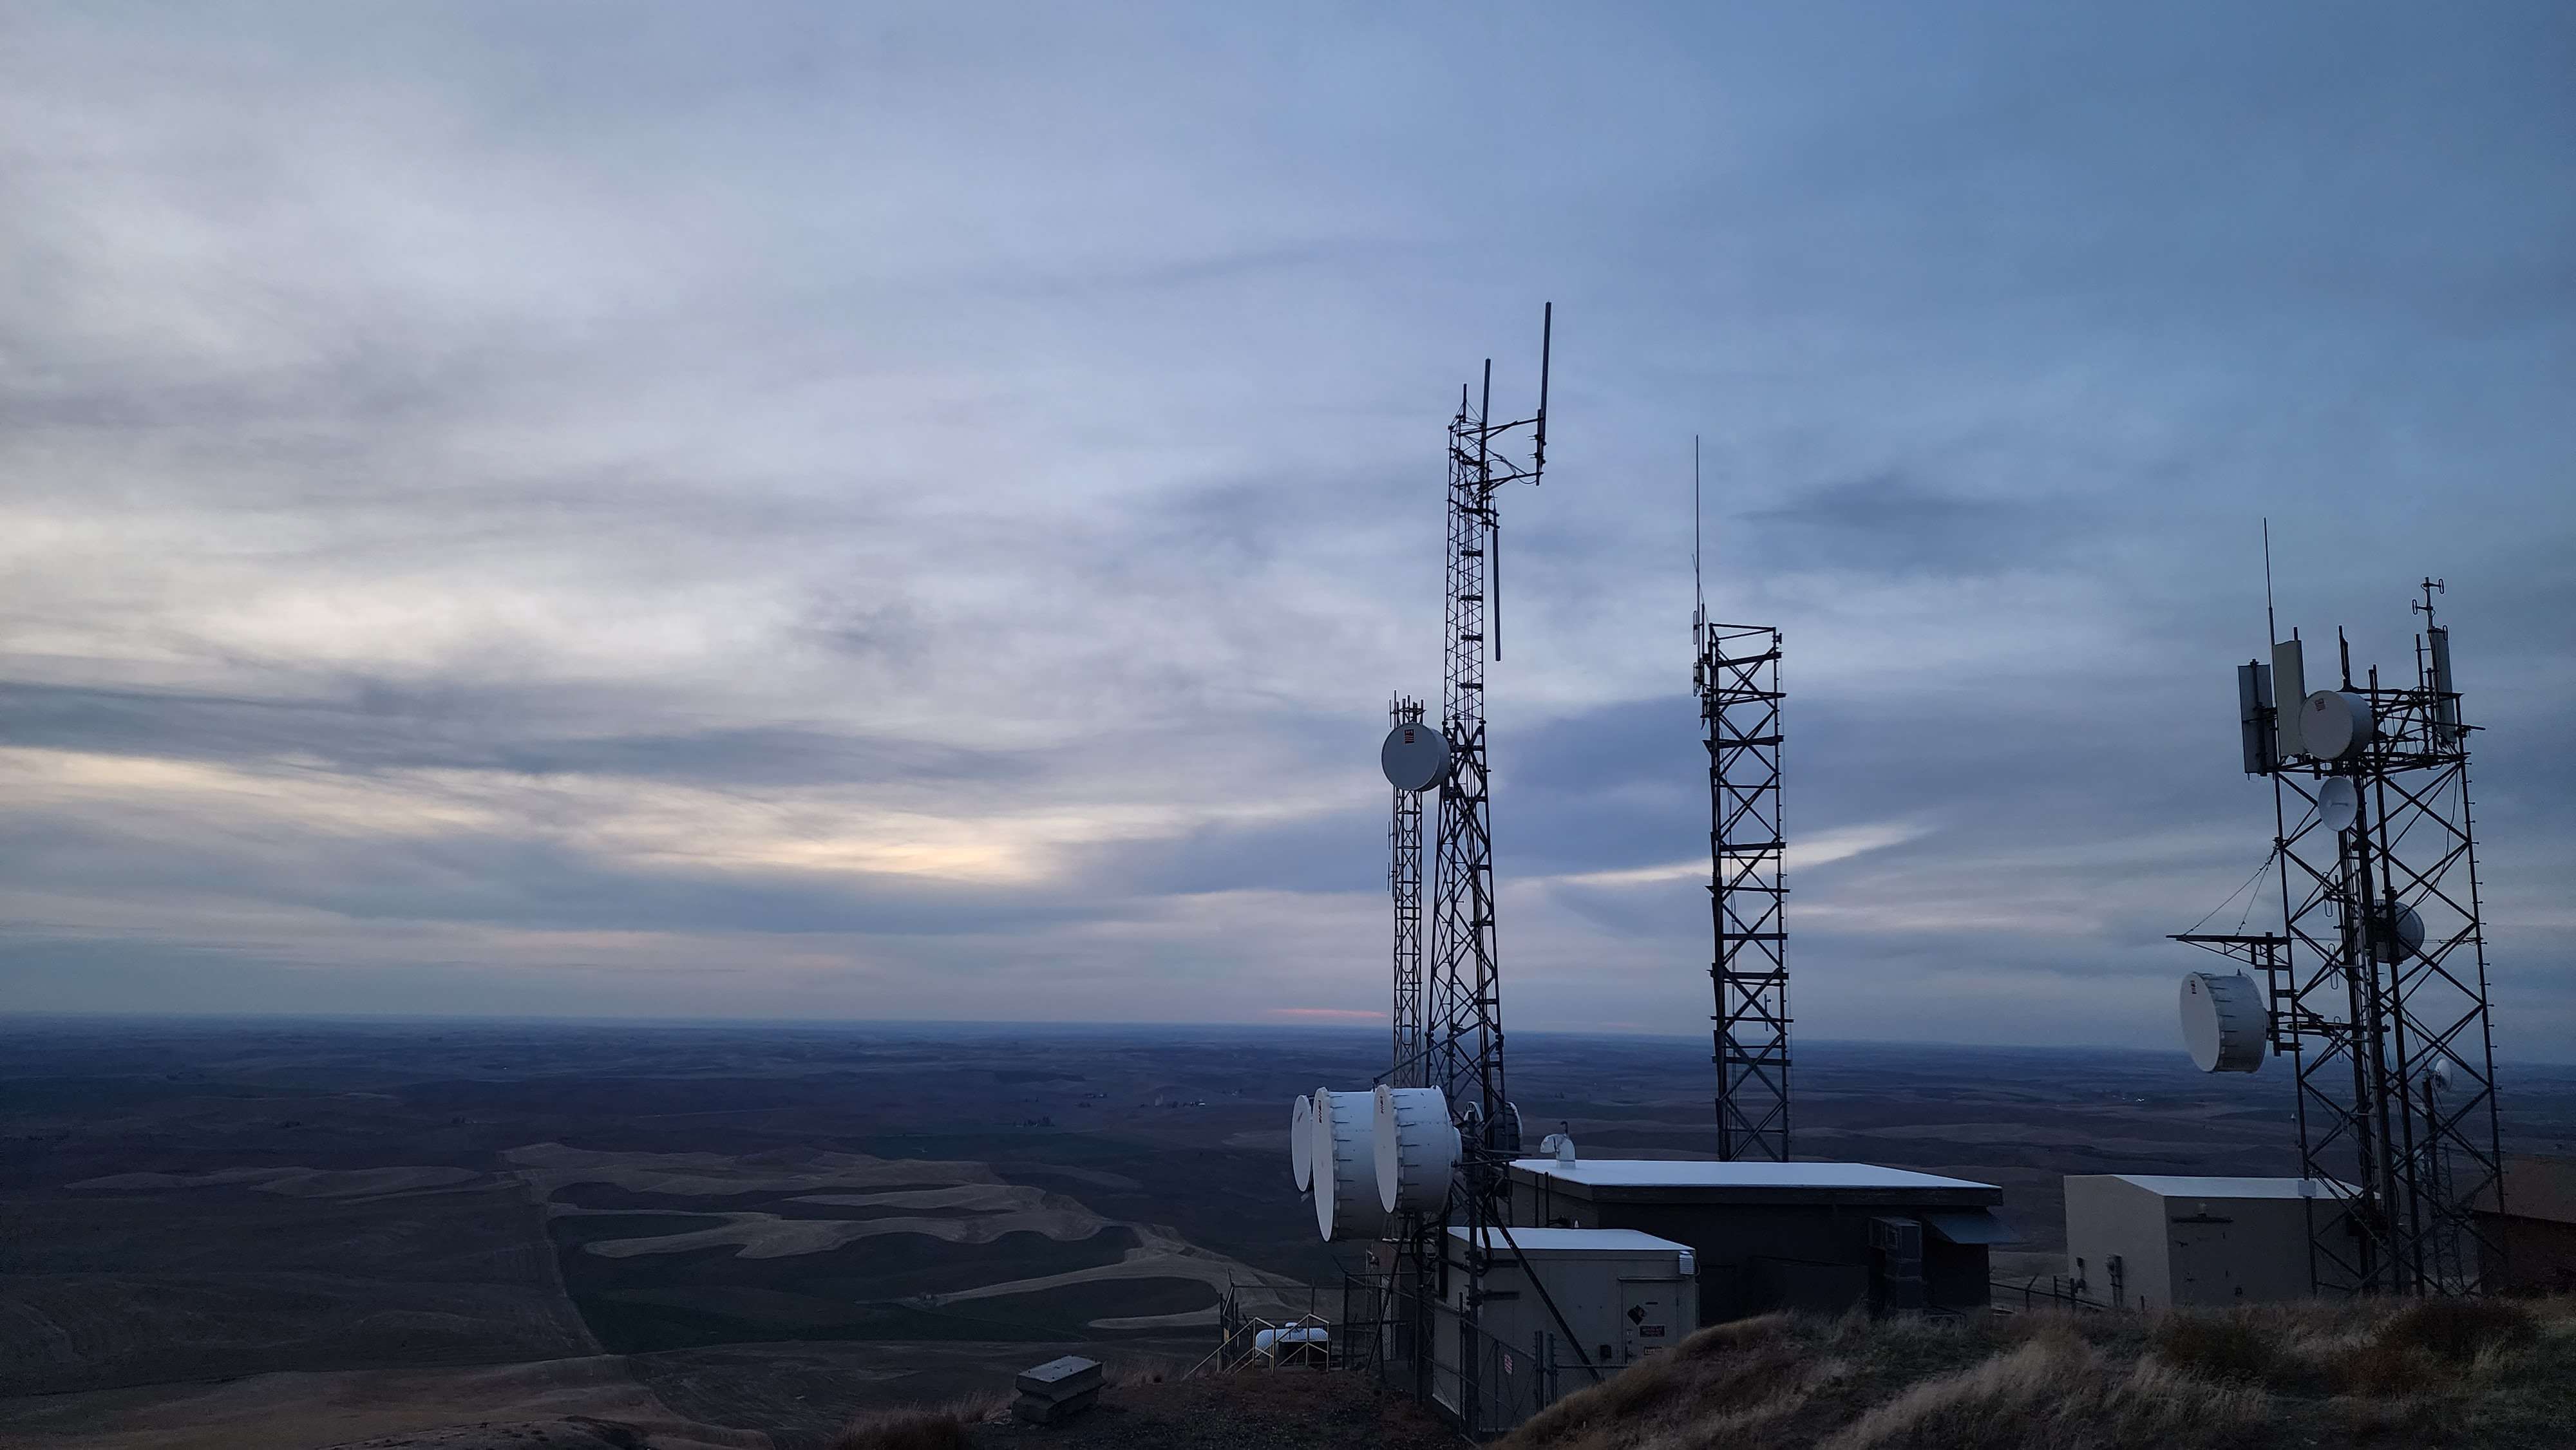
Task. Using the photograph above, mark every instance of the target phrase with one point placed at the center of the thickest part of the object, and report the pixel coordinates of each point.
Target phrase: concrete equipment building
(1823, 1237)
(2151, 1241)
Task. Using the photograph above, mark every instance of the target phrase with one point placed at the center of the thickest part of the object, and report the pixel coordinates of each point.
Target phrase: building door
(1648, 1318)
(2204, 1261)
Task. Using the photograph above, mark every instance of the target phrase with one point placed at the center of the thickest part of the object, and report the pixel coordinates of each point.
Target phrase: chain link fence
(1424, 1347)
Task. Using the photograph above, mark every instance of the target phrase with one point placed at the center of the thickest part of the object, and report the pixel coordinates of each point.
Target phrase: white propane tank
(1301, 1142)
(2223, 1022)
(1416, 1150)
(2334, 725)
(1346, 1205)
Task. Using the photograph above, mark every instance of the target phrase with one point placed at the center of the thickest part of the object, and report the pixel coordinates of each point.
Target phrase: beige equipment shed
(1623, 1295)
(2152, 1241)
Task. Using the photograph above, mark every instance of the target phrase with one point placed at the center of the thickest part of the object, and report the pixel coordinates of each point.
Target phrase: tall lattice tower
(2376, 985)
(1738, 676)
(1406, 1066)
(1463, 1021)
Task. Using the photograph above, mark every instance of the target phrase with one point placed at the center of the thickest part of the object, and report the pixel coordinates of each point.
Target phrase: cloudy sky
(853, 511)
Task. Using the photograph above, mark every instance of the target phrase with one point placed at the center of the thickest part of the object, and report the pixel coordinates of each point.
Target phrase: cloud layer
(917, 513)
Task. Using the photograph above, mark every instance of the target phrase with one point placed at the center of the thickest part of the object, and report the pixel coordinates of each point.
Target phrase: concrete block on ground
(1057, 1390)
(1039, 1410)
(1061, 1378)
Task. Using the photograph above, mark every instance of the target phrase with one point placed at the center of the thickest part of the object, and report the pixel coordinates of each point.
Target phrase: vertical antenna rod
(1493, 522)
(2271, 626)
(1699, 591)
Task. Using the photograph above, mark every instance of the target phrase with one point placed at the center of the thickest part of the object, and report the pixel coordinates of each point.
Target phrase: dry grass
(921, 1427)
(2480, 1373)
(2353, 1350)
(1744, 1382)
(2053, 1392)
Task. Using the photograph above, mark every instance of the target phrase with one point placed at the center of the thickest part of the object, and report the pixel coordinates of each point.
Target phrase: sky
(901, 512)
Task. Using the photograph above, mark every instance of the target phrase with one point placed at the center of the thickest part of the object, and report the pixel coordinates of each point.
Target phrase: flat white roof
(1575, 1240)
(1701, 1173)
(2173, 1186)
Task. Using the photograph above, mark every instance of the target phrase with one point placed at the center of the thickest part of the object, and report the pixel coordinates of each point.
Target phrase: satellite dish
(2440, 1074)
(1301, 1142)
(1414, 757)
(2334, 725)
(1417, 1149)
(2223, 1021)
(2338, 805)
(2400, 934)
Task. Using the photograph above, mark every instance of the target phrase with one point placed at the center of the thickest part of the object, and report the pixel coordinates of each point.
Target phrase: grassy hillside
(2456, 1373)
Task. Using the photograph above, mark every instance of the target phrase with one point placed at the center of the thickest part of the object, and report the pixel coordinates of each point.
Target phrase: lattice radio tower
(1738, 678)
(1464, 1022)
(2376, 985)
(1407, 1066)
(1458, 1045)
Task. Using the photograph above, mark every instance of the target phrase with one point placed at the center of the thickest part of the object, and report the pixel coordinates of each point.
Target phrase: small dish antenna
(2338, 805)
(1414, 757)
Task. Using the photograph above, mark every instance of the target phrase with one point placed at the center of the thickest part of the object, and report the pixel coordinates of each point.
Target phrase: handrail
(2032, 1296)
(1234, 1347)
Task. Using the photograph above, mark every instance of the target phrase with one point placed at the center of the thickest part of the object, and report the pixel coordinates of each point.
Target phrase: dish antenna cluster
(2375, 986)
(1367, 1157)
